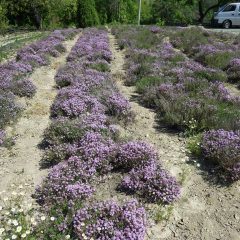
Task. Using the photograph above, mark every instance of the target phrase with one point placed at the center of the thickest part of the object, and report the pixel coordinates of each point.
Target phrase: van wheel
(227, 24)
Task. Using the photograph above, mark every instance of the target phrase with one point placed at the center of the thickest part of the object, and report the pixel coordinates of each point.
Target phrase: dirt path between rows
(21, 163)
(205, 211)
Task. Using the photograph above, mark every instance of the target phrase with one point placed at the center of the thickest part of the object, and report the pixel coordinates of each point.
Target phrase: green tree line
(62, 13)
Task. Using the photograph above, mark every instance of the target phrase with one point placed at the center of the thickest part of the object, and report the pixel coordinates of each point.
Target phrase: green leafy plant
(194, 145)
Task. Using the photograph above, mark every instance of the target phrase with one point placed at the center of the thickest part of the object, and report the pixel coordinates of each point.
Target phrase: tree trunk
(37, 18)
(201, 13)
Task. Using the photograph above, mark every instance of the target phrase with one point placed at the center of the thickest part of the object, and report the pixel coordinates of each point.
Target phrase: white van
(228, 15)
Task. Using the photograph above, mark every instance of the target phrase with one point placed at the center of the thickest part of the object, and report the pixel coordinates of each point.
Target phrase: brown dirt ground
(20, 164)
(205, 211)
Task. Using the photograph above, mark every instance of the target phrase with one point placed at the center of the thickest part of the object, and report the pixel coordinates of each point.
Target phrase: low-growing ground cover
(14, 75)
(84, 145)
(186, 94)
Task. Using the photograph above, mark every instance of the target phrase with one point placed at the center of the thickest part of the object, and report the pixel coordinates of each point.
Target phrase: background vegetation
(50, 14)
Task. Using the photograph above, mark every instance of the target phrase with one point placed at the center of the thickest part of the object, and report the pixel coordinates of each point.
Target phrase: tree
(122, 11)
(87, 15)
(174, 12)
(27, 12)
(205, 6)
(3, 18)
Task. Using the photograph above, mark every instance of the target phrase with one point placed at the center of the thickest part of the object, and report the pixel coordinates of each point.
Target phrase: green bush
(101, 67)
(189, 38)
(211, 76)
(3, 18)
(219, 60)
(63, 131)
(147, 82)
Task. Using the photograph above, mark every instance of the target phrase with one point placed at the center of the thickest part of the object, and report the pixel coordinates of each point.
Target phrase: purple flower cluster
(108, 220)
(222, 147)
(118, 106)
(135, 154)
(13, 78)
(97, 151)
(66, 181)
(9, 110)
(146, 177)
(155, 29)
(233, 70)
(234, 172)
(152, 183)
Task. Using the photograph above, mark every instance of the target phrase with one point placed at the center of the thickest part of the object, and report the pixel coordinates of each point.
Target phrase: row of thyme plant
(187, 95)
(83, 144)
(14, 75)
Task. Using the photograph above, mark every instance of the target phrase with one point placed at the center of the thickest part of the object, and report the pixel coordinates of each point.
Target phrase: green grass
(147, 82)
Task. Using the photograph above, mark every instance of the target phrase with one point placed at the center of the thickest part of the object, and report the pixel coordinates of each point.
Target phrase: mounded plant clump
(223, 148)
(108, 220)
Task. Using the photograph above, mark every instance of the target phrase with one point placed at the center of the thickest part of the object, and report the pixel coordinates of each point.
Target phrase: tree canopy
(63, 13)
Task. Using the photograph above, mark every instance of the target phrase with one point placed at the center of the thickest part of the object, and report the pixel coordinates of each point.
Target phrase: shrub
(8, 109)
(73, 107)
(233, 70)
(186, 39)
(57, 153)
(219, 60)
(101, 67)
(87, 15)
(234, 172)
(135, 154)
(147, 82)
(194, 145)
(119, 107)
(108, 220)
(63, 131)
(152, 183)
(97, 150)
(66, 181)
(222, 147)
(24, 88)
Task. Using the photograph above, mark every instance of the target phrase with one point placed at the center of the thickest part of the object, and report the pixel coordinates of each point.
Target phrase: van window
(230, 8)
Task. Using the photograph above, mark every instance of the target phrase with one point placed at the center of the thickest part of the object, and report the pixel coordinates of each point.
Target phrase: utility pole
(139, 12)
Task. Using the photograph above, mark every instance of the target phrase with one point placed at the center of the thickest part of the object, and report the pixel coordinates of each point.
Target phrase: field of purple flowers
(83, 144)
(186, 90)
(14, 75)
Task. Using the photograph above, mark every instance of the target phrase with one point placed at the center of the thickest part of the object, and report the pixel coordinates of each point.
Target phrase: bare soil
(206, 210)
(21, 162)
(233, 89)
